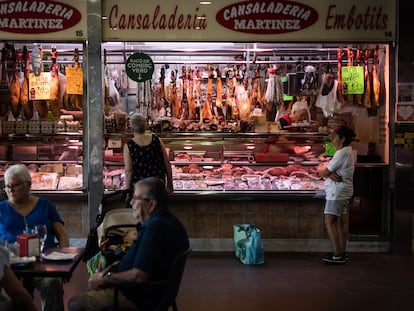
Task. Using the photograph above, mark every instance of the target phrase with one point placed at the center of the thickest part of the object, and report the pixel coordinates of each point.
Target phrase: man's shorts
(103, 299)
(336, 207)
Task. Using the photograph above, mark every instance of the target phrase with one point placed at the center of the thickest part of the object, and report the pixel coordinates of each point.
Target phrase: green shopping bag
(248, 244)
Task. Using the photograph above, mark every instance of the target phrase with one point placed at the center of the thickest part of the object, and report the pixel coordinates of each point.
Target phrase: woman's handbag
(248, 245)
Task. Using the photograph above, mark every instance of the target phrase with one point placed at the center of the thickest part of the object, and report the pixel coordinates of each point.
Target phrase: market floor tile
(288, 281)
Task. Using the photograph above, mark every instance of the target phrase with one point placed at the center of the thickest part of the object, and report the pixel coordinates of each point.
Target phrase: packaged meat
(44, 181)
(70, 183)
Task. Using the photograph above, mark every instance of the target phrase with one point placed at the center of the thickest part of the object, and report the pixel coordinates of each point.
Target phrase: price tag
(39, 86)
(352, 80)
(74, 80)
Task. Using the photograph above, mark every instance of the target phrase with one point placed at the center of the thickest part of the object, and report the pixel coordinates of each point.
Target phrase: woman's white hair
(18, 170)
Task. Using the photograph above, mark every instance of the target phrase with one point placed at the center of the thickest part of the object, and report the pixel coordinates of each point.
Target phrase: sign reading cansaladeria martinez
(48, 20)
(254, 20)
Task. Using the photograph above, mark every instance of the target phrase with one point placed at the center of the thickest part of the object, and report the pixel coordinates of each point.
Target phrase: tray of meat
(271, 157)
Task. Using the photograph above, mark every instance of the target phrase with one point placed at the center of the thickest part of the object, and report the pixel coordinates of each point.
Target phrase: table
(48, 268)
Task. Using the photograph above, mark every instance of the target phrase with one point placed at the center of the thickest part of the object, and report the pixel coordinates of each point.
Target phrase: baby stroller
(107, 239)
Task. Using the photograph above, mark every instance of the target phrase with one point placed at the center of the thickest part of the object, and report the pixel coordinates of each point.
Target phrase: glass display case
(54, 160)
(233, 162)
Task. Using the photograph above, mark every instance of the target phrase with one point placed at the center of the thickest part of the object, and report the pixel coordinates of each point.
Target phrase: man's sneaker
(333, 258)
(345, 254)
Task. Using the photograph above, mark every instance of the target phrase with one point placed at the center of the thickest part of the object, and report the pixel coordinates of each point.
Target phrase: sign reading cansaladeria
(254, 20)
(51, 20)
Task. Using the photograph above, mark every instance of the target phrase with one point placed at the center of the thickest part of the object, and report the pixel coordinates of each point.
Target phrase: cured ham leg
(339, 95)
(26, 104)
(191, 102)
(55, 102)
(376, 84)
(184, 101)
(173, 96)
(367, 93)
(15, 92)
(42, 107)
(164, 102)
(349, 98)
(4, 85)
(75, 99)
(206, 113)
(218, 107)
(359, 56)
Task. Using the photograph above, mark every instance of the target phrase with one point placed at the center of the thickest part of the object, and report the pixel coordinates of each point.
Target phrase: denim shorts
(336, 207)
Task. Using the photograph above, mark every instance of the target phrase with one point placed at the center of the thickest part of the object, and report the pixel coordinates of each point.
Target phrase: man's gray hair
(156, 190)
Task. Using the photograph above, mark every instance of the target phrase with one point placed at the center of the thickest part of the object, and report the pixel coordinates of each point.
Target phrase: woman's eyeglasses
(13, 186)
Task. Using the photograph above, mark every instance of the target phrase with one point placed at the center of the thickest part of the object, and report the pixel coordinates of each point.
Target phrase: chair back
(174, 282)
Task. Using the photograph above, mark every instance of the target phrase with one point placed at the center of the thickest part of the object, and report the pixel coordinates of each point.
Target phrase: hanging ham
(26, 104)
(55, 102)
(376, 85)
(42, 106)
(184, 115)
(340, 98)
(349, 98)
(76, 99)
(206, 113)
(4, 85)
(191, 102)
(359, 58)
(15, 91)
(367, 94)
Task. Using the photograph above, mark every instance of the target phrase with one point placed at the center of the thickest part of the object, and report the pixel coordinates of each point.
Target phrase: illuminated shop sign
(41, 18)
(267, 17)
(253, 20)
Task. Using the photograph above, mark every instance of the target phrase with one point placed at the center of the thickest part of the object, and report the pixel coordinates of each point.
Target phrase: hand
(96, 281)
(335, 177)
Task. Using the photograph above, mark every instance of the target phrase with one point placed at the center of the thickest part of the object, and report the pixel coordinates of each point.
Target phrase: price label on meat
(352, 80)
(139, 67)
(39, 86)
(74, 80)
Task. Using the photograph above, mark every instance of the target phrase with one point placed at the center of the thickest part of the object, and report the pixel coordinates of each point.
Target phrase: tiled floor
(290, 281)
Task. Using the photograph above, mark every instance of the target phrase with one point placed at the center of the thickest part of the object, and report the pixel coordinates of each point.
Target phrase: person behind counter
(339, 189)
(299, 112)
(161, 237)
(145, 155)
(20, 213)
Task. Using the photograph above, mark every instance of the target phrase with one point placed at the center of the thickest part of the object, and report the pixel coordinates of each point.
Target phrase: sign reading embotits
(139, 67)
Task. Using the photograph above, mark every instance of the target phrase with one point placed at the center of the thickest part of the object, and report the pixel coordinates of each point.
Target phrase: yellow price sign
(74, 80)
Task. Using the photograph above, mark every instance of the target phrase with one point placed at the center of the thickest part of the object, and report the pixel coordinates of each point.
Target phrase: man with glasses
(161, 237)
